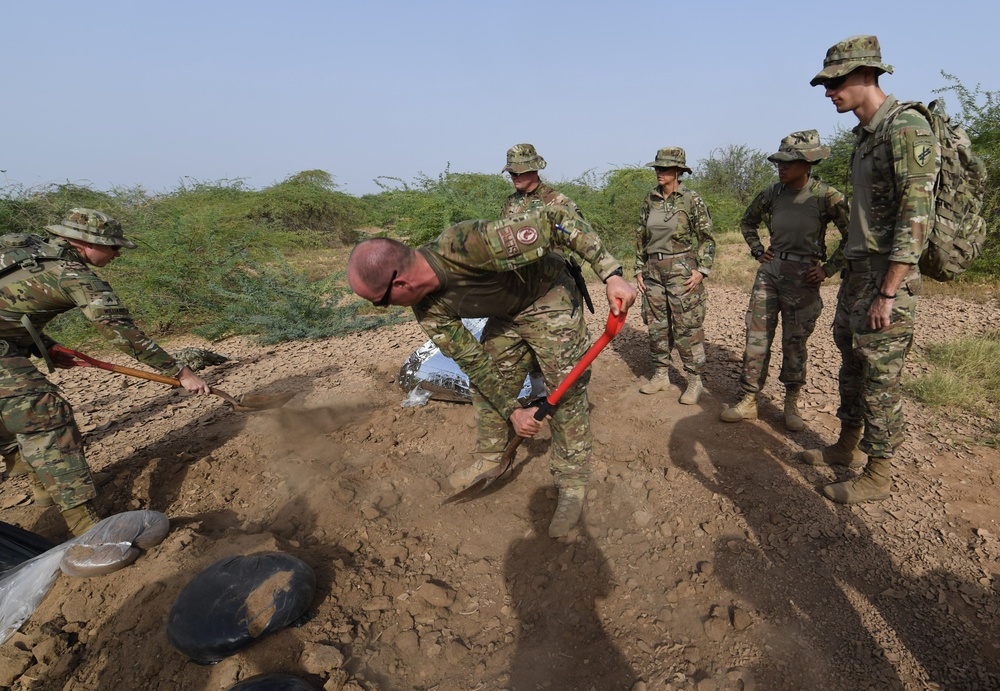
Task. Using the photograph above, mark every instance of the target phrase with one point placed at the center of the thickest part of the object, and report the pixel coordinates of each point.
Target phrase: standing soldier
(674, 251)
(41, 278)
(796, 211)
(504, 270)
(894, 166)
(530, 191)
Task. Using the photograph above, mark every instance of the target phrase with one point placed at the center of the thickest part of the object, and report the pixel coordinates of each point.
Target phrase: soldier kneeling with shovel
(41, 277)
(511, 272)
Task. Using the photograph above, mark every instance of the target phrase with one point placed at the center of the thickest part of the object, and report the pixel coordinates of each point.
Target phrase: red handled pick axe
(485, 479)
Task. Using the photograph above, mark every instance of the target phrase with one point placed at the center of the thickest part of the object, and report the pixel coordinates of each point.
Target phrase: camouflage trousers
(674, 317)
(780, 290)
(41, 422)
(552, 335)
(870, 388)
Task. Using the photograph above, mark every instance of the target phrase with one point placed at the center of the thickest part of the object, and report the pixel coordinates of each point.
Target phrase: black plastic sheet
(18, 545)
(237, 600)
(273, 682)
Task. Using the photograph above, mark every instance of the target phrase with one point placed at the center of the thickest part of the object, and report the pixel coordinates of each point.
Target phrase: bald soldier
(42, 277)
(511, 272)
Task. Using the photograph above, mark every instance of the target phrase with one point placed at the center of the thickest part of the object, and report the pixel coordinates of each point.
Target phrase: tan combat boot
(693, 391)
(463, 478)
(660, 381)
(80, 518)
(39, 494)
(844, 452)
(568, 510)
(793, 419)
(874, 484)
(746, 409)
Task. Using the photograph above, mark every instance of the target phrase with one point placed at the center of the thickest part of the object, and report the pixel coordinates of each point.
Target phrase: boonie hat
(92, 226)
(670, 157)
(850, 54)
(522, 158)
(800, 146)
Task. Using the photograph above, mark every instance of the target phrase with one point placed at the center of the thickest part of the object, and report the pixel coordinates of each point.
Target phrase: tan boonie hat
(92, 226)
(800, 146)
(522, 158)
(670, 157)
(850, 54)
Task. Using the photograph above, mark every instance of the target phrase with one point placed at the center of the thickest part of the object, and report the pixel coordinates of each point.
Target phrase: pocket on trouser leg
(57, 457)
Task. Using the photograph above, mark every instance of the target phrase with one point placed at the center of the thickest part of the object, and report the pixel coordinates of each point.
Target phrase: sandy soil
(707, 558)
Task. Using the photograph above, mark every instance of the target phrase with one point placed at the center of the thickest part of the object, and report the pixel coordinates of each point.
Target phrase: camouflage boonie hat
(800, 146)
(522, 158)
(670, 157)
(850, 54)
(92, 226)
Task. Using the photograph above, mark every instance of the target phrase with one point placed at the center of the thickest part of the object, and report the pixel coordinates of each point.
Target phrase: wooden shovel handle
(141, 374)
(82, 359)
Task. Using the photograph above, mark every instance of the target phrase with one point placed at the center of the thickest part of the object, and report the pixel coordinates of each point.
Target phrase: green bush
(209, 256)
(420, 210)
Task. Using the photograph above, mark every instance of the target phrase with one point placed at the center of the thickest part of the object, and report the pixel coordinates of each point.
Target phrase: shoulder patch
(923, 152)
(527, 235)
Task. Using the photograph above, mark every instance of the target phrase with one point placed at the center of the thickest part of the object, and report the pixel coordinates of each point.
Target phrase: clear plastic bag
(437, 376)
(110, 545)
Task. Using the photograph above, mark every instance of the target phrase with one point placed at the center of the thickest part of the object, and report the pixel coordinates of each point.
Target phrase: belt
(872, 264)
(791, 256)
(660, 256)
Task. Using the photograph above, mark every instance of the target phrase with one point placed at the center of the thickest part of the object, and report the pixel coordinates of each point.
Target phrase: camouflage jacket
(60, 286)
(832, 207)
(470, 260)
(894, 165)
(541, 196)
(694, 226)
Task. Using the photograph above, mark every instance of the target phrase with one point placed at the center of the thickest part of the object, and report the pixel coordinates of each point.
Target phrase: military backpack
(21, 252)
(958, 232)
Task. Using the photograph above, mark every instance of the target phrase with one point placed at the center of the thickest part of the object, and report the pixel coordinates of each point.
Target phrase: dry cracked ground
(707, 559)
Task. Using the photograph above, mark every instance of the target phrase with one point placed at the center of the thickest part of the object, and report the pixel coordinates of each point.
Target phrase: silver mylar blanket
(436, 373)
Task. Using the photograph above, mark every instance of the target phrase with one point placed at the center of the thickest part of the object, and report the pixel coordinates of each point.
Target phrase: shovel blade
(252, 402)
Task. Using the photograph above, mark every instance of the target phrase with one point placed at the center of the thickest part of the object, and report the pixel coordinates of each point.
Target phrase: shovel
(65, 357)
(545, 406)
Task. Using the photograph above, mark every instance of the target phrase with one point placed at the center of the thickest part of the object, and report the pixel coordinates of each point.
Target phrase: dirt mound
(707, 558)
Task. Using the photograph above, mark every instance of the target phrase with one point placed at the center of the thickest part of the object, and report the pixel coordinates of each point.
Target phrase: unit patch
(527, 235)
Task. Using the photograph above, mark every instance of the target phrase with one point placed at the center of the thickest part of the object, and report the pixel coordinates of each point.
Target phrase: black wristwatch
(617, 272)
(756, 254)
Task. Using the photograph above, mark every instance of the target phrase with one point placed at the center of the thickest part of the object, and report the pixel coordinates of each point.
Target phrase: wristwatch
(617, 272)
(757, 253)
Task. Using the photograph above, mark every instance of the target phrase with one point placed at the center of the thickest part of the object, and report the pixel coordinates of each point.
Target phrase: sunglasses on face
(384, 300)
(835, 83)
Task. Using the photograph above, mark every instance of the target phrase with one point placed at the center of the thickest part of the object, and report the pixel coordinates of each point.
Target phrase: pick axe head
(488, 477)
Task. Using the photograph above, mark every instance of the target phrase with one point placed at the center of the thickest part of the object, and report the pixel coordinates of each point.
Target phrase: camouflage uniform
(893, 183)
(542, 196)
(506, 271)
(673, 239)
(31, 407)
(796, 221)
(894, 167)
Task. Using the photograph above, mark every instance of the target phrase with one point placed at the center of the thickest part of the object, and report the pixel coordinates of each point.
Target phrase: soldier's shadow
(554, 588)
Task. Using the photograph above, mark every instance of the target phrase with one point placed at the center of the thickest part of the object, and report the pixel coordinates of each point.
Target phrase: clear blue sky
(146, 93)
